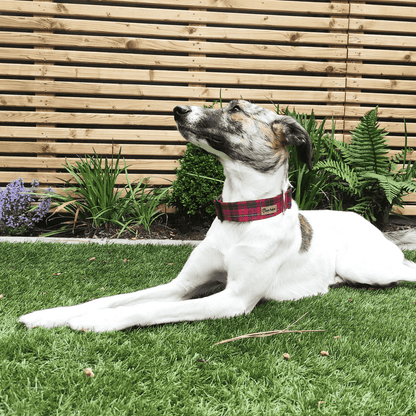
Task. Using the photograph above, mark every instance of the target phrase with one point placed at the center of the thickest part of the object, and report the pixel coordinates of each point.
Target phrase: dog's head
(244, 132)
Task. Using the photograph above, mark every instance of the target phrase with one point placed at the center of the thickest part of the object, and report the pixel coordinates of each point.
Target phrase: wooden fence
(84, 75)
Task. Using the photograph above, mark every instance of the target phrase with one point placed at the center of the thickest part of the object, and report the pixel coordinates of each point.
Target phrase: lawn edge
(100, 241)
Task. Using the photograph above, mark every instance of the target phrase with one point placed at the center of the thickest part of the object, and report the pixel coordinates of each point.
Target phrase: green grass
(176, 369)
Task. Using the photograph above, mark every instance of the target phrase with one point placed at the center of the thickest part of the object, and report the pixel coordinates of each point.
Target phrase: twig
(270, 333)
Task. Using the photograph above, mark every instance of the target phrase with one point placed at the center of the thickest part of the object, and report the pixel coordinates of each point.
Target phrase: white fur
(257, 260)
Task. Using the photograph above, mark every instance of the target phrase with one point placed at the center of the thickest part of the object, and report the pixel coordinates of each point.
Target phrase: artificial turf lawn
(176, 369)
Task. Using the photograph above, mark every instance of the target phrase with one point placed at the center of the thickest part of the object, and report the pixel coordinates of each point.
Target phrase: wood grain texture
(78, 77)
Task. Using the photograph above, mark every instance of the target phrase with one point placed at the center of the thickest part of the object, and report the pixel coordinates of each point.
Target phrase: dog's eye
(236, 109)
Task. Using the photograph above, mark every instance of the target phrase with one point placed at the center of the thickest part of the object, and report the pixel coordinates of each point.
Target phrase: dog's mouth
(193, 135)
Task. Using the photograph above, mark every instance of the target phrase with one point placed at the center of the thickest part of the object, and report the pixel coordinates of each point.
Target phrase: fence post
(45, 140)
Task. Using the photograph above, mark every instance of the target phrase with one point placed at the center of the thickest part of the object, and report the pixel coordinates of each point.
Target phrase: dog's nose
(180, 110)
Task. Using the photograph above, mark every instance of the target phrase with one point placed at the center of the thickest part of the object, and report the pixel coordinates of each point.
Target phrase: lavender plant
(17, 214)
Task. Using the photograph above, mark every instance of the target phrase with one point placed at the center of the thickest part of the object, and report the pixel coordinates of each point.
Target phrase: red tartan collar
(260, 209)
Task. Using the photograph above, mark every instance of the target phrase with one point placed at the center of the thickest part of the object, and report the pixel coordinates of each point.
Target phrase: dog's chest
(263, 236)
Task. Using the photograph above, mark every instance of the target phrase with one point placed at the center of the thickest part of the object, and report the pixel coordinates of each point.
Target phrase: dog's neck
(243, 183)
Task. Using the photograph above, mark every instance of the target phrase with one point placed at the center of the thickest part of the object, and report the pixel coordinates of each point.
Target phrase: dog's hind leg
(374, 262)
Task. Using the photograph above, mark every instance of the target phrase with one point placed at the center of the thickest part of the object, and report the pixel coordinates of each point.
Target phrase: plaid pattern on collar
(244, 211)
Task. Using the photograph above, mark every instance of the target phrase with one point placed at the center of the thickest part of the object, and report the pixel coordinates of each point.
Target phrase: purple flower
(16, 212)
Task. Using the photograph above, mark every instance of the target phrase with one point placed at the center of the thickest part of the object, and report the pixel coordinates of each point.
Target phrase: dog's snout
(181, 110)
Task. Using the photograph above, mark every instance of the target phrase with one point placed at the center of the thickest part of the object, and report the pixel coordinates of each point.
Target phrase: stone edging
(100, 241)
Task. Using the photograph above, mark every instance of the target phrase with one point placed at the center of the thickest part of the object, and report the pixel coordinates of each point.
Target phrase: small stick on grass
(270, 333)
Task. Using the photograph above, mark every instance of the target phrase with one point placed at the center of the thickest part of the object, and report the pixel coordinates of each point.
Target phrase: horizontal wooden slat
(390, 26)
(127, 59)
(406, 2)
(388, 99)
(54, 133)
(58, 163)
(395, 12)
(162, 45)
(85, 118)
(382, 55)
(410, 198)
(383, 112)
(88, 148)
(392, 140)
(175, 77)
(171, 31)
(410, 156)
(398, 141)
(382, 70)
(178, 16)
(171, 92)
(55, 178)
(389, 41)
(317, 7)
(84, 103)
(39, 101)
(125, 135)
(391, 127)
(381, 84)
(408, 210)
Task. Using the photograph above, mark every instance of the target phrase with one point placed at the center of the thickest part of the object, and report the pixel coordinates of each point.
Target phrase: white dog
(261, 246)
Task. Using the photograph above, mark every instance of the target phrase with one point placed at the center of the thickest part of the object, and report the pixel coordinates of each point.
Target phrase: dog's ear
(289, 132)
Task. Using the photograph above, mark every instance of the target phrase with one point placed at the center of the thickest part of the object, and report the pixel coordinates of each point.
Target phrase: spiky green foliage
(309, 187)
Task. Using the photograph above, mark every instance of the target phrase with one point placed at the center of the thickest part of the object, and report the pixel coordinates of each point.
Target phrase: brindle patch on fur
(307, 234)
(250, 148)
(278, 143)
(279, 139)
(244, 133)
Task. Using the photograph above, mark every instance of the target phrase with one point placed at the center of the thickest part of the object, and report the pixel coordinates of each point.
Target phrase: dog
(260, 245)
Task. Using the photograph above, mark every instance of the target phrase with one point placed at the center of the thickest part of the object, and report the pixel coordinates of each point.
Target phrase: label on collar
(268, 210)
(259, 209)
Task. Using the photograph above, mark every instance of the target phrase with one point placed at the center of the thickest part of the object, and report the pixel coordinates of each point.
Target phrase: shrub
(17, 214)
(199, 181)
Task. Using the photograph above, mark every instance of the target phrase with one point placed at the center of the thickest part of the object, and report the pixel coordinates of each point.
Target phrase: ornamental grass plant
(94, 197)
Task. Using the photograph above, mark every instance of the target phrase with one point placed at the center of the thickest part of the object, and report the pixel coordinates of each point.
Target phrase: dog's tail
(404, 239)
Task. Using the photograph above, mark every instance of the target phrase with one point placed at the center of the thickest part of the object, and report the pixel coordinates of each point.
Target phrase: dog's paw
(47, 318)
(104, 320)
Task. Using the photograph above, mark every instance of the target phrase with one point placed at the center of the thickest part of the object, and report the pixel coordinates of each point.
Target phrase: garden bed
(171, 227)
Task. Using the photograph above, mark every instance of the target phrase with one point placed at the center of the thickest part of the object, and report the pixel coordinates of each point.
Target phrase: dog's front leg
(203, 265)
(220, 305)
(247, 279)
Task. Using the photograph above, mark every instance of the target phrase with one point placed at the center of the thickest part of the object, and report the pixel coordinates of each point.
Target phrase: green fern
(340, 170)
(391, 188)
(368, 149)
(364, 179)
(364, 207)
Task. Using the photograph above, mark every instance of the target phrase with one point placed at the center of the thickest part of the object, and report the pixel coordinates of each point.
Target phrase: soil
(168, 227)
